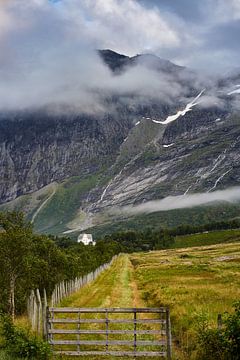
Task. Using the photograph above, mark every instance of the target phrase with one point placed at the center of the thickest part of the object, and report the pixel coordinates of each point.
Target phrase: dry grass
(192, 281)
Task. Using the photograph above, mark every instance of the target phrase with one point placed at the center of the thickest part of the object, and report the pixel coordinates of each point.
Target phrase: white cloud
(186, 201)
(122, 25)
(49, 56)
(226, 10)
(47, 51)
(6, 21)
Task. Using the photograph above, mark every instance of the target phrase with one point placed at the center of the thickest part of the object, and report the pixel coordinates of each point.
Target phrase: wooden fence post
(39, 312)
(48, 326)
(31, 307)
(169, 335)
(219, 321)
(44, 314)
(34, 312)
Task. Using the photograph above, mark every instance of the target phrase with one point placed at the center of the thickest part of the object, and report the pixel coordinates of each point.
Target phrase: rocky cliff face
(199, 163)
(39, 148)
(141, 153)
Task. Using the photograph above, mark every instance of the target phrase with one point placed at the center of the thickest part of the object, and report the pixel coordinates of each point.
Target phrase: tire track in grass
(111, 289)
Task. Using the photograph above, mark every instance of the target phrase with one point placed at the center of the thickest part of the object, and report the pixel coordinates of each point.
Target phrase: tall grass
(193, 282)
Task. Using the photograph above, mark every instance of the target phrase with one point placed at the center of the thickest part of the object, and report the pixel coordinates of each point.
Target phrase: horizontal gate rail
(117, 332)
(75, 325)
(101, 321)
(103, 342)
(109, 310)
(113, 353)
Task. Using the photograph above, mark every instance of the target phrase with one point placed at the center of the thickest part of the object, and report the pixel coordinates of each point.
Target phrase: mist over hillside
(86, 132)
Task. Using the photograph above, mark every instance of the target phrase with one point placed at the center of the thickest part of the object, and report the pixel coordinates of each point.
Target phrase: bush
(220, 344)
(20, 343)
(232, 323)
(213, 345)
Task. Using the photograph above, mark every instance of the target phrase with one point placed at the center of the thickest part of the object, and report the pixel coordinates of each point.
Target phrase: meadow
(196, 283)
(207, 238)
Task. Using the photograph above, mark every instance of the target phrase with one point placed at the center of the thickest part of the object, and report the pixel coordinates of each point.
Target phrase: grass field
(193, 282)
(207, 238)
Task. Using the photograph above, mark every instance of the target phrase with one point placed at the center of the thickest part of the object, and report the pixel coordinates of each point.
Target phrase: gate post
(169, 336)
(47, 323)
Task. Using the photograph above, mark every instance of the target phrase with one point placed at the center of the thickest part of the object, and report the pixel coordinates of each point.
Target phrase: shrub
(220, 344)
(20, 343)
(232, 323)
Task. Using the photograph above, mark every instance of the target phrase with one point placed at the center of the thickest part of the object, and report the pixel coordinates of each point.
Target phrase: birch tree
(15, 252)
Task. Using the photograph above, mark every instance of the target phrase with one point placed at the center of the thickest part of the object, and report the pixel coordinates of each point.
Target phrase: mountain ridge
(136, 154)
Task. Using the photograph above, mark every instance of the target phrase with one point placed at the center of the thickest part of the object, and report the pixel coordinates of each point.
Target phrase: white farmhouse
(86, 239)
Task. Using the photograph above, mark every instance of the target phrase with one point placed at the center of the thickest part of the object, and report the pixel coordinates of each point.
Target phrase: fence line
(37, 304)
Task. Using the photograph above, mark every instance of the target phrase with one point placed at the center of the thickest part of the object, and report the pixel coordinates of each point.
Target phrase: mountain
(70, 171)
(38, 148)
(118, 62)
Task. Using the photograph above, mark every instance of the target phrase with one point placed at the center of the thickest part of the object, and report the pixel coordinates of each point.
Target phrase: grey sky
(47, 47)
(190, 10)
(215, 26)
(200, 34)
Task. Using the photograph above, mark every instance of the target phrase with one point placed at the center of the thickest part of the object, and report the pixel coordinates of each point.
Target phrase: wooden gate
(133, 332)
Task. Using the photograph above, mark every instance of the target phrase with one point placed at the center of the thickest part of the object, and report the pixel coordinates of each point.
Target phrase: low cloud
(186, 201)
(48, 53)
(48, 56)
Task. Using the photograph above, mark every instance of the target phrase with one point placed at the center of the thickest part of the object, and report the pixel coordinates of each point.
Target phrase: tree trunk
(12, 296)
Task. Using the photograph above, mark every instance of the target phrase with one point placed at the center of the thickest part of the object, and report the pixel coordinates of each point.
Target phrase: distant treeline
(164, 238)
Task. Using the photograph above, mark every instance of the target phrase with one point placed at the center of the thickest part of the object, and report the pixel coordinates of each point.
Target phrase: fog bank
(231, 195)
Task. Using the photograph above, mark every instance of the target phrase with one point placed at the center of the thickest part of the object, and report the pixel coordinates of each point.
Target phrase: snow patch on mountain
(235, 91)
(167, 146)
(183, 112)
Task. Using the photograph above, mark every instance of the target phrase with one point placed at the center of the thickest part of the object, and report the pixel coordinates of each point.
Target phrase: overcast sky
(47, 57)
(200, 34)
(211, 28)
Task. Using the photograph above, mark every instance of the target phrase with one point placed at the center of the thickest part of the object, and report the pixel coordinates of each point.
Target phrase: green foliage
(30, 261)
(223, 343)
(15, 252)
(4, 355)
(211, 342)
(135, 240)
(20, 343)
(232, 331)
(141, 241)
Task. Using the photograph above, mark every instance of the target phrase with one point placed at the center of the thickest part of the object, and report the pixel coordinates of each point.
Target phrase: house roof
(88, 236)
